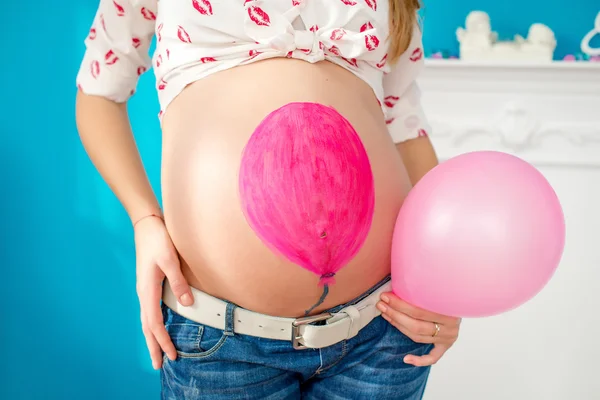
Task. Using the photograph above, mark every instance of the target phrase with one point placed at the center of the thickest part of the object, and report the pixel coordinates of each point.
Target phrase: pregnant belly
(257, 232)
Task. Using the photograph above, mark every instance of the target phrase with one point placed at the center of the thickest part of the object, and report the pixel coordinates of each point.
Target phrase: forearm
(418, 156)
(106, 135)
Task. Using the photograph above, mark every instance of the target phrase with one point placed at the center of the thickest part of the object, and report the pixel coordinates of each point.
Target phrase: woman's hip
(235, 353)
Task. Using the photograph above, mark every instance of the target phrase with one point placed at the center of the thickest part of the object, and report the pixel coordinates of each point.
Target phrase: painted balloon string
(325, 281)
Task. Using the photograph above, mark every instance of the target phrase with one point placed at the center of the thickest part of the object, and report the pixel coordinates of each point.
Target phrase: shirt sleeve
(405, 117)
(117, 48)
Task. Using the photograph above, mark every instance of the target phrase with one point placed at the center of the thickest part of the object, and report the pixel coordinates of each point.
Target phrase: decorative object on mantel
(479, 43)
(592, 53)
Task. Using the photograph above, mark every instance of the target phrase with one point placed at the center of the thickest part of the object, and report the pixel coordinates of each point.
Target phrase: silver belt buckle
(298, 322)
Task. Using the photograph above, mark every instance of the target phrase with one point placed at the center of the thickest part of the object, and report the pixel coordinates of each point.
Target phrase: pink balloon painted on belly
(307, 187)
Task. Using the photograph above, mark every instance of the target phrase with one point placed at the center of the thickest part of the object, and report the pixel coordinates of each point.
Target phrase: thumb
(428, 359)
(178, 283)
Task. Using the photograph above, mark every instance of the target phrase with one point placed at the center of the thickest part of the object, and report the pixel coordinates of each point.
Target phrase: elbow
(91, 109)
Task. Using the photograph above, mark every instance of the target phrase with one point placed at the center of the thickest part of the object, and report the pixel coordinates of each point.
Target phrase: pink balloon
(480, 234)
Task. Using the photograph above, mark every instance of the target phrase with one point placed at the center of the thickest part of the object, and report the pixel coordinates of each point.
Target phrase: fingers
(418, 328)
(177, 281)
(417, 313)
(152, 312)
(428, 359)
(428, 339)
(152, 344)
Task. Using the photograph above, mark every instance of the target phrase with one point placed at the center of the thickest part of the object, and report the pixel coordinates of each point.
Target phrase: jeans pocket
(191, 339)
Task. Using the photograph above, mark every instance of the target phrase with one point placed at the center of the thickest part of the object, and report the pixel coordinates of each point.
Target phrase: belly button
(323, 235)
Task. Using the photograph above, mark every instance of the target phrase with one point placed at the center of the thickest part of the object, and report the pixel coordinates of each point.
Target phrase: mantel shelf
(548, 113)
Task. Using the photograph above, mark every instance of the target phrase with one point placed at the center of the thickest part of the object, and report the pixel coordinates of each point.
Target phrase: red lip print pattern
(92, 34)
(147, 14)
(95, 68)
(389, 121)
(416, 55)
(253, 53)
(423, 133)
(120, 9)
(372, 4)
(314, 28)
(168, 54)
(366, 26)
(158, 60)
(371, 42)
(183, 35)
(162, 84)
(141, 70)
(136, 42)
(351, 61)
(102, 24)
(203, 7)
(390, 101)
(295, 3)
(382, 63)
(258, 16)
(349, 2)
(334, 50)
(337, 34)
(207, 59)
(289, 54)
(110, 58)
(158, 29)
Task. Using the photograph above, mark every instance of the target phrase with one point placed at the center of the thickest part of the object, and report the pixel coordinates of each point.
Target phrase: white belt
(342, 325)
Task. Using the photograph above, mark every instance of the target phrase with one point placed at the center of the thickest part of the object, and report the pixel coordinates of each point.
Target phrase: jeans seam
(207, 353)
(318, 370)
(343, 354)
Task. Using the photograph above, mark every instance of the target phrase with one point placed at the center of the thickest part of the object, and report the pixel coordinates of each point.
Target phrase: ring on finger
(437, 329)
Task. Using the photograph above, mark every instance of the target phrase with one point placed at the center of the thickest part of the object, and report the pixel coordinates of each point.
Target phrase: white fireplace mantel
(547, 113)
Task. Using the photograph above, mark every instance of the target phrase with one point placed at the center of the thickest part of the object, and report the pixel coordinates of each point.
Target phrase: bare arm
(116, 55)
(106, 136)
(405, 117)
(418, 156)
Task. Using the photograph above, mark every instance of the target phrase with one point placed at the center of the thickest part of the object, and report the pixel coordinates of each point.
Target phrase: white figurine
(478, 42)
(539, 45)
(585, 43)
(478, 33)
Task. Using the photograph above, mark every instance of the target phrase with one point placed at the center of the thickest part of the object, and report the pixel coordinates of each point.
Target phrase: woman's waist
(281, 288)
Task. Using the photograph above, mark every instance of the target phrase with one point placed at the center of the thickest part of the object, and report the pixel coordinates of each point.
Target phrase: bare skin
(202, 147)
(205, 241)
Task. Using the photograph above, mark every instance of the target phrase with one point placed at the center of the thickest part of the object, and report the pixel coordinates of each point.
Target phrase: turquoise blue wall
(70, 326)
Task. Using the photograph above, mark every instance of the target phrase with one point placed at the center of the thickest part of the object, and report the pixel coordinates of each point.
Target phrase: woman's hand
(156, 258)
(421, 326)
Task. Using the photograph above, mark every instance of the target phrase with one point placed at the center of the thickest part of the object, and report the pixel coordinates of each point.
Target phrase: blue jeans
(219, 365)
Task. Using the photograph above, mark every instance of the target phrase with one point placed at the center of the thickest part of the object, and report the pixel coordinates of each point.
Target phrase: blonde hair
(403, 18)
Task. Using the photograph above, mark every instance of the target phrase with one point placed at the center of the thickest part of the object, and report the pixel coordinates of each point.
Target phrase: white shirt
(196, 38)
